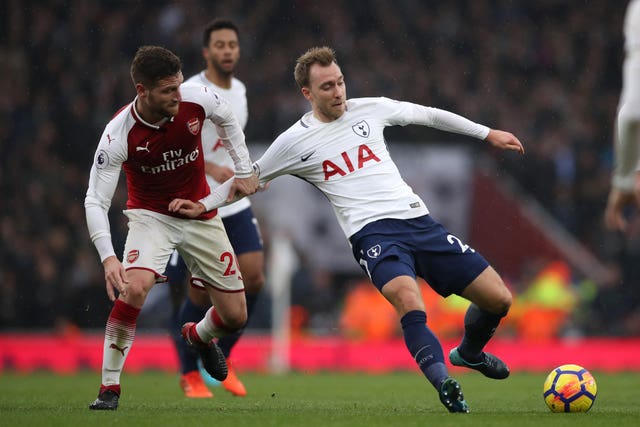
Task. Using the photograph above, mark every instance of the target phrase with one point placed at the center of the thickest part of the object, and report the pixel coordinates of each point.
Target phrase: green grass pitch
(308, 400)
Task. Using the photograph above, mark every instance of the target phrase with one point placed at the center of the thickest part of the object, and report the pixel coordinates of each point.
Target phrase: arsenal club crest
(361, 129)
(194, 125)
(132, 256)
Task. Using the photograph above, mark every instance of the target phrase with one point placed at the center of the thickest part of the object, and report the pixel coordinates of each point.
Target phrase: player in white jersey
(625, 185)
(221, 50)
(156, 139)
(339, 147)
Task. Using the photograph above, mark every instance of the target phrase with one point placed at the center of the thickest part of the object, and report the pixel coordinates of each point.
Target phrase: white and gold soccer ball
(570, 388)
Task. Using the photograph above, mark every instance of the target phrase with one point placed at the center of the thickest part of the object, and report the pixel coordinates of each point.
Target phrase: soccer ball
(569, 388)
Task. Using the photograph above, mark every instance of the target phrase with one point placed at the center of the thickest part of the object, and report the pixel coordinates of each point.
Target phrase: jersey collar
(142, 121)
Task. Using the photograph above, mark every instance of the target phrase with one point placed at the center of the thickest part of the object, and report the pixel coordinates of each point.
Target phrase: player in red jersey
(156, 139)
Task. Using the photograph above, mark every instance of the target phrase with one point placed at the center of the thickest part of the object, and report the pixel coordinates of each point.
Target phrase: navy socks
(226, 343)
(479, 327)
(189, 312)
(424, 347)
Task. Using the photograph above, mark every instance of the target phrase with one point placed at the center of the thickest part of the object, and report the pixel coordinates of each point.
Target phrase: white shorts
(203, 245)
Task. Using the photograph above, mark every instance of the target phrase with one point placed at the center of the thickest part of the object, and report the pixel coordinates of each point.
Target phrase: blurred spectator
(544, 308)
(367, 316)
(550, 69)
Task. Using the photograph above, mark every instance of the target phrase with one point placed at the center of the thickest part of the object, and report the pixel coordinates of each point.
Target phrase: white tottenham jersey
(213, 149)
(347, 159)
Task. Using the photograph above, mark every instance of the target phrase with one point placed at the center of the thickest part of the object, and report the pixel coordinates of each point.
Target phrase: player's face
(163, 100)
(327, 91)
(223, 51)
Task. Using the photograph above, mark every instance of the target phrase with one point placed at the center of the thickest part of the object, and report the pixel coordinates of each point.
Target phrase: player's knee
(502, 303)
(235, 316)
(236, 320)
(404, 294)
(501, 298)
(136, 292)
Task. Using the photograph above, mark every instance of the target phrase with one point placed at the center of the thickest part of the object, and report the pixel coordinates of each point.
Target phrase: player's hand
(614, 212)
(217, 172)
(617, 201)
(187, 208)
(115, 277)
(243, 187)
(504, 140)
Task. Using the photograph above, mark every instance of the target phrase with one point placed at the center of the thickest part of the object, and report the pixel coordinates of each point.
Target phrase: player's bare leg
(491, 301)
(251, 265)
(227, 315)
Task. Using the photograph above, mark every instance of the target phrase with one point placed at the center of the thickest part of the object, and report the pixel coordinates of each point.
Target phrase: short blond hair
(324, 56)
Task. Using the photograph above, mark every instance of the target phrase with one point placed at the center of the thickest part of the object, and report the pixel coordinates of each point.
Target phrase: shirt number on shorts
(227, 257)
(463, 248)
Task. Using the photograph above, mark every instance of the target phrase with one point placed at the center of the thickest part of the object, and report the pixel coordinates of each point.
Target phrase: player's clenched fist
(243, 187)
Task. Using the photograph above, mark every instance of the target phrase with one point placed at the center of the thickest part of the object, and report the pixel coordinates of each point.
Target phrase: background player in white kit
(156, 139)
(221, 51)
(625, 185)
(339, 148)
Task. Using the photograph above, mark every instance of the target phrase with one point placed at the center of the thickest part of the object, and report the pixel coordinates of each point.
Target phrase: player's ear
(306, 92)
(141, 91)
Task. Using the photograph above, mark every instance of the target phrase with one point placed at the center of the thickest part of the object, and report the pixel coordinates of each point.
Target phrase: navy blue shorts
(243, 231)
(244, 235)
(389, 248)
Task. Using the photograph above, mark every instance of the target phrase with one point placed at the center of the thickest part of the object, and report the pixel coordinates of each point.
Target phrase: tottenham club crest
(194, 125)
(374, 251)
(361, 129)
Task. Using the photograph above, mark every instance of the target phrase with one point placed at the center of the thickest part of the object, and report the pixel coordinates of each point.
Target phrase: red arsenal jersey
(166, 162)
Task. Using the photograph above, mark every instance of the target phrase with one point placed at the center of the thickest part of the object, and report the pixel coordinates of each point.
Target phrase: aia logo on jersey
(338, 168)
(133, 256)
(193, 125)
(361, 129)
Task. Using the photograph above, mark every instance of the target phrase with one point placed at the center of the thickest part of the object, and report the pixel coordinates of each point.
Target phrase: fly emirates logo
(348, 162)
(173, 159)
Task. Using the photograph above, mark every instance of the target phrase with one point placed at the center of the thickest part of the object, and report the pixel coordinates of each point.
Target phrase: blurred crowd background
(547, 70)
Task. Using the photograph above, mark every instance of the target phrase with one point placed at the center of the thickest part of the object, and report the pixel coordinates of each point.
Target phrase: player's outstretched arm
(504, 140)
(229, 191)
